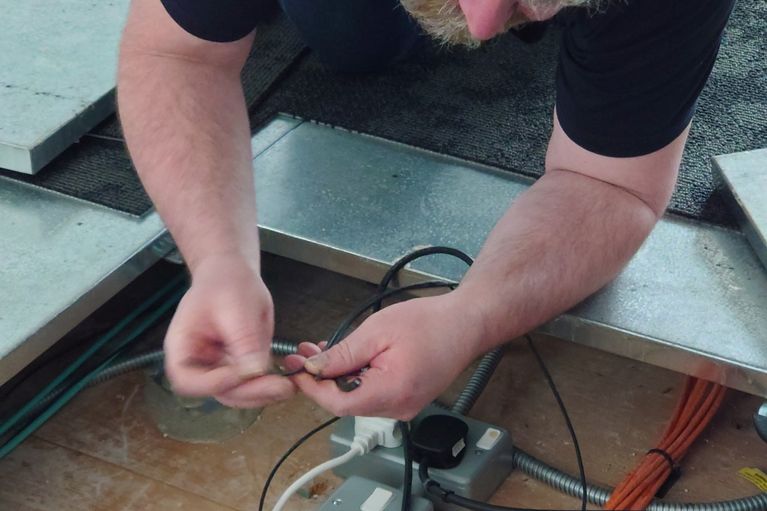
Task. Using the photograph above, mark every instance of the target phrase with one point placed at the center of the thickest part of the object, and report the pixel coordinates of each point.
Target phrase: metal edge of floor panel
(61, 260)
(58, 84)
(30, 160)
(694, 298)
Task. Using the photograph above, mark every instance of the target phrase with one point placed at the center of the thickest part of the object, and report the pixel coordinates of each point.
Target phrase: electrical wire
(566, 416)
(336, 338)
(298, 443)
(340, 332)
(171, 287)
(598, 495)
(434, 488)
(697, 406)
(72, 390)
(407, 458)
(355, 450)
(398, 265)
(373, 303)
(464, 402)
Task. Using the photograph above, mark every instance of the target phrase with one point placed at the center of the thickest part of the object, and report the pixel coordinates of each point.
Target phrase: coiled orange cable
(697, 406)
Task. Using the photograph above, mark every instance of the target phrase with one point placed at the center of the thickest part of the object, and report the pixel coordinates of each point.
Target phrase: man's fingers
(247, 335)
(263, 390)
(348, 356)
(371, 398)
(293, 363)
(197, 381)
(309, 349)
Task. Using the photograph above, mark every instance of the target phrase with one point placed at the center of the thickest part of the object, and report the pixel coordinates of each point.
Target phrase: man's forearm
(186, 126)
(558, 243)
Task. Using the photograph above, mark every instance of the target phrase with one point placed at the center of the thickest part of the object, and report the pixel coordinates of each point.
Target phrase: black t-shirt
(628, 77)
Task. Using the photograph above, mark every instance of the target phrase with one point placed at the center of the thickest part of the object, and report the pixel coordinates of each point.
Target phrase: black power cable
(407, 482)
(375, 304)
(430, 485)
(340, 332)
(398, 265)
(336, 338)
(566, 416)
(389, 276)
(287, 454)
(434, 488)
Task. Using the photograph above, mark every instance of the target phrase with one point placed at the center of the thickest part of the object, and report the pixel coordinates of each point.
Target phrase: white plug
(375, 431)
(369, 433)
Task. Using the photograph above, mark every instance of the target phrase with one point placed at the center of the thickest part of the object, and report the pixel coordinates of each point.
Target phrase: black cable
(434, 488)
(407, 482)
(429, 484)
(391, 273)
(285, 456)
(398, 265)
(566, 416)
(338, 335)
(386, 280)
(449, 497)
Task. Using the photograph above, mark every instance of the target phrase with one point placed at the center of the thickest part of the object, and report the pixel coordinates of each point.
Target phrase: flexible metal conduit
(598, 495)
(568, 484)
(280, 348)
(477, 382)
(528, 464)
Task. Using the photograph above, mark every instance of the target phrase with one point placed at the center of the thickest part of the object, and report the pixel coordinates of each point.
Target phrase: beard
(444, 20)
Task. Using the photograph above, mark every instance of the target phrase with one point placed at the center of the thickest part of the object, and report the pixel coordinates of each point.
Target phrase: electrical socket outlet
(359, 494)
(486, 464)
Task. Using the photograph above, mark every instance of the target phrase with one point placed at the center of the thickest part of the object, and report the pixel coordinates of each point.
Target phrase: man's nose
(486, 18)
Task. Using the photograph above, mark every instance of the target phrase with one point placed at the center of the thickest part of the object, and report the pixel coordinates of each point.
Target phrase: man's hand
(415, 349)
(220, 338)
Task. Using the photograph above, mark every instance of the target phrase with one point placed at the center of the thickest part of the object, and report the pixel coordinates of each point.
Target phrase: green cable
(66, 396)
(114, 331)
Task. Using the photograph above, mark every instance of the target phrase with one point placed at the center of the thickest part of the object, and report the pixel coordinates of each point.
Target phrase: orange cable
(698, 403)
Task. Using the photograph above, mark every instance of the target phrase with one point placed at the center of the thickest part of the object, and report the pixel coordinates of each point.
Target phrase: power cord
(434, 488)
(566, 416)
(369, 433)
(407, 481)
(337, 336)
(356, 450)
(383, 285)
(298, 443)
(375, 304)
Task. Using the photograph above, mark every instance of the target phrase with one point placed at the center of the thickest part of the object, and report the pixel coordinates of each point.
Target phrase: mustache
(444, 20)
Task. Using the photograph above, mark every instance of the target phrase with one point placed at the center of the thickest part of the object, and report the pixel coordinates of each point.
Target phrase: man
(628, 78)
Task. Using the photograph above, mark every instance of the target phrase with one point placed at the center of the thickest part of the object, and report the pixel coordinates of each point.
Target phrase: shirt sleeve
(629, 78)
(216, 20)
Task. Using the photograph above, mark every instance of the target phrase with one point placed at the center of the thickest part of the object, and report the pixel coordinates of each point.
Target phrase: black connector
(440, 439)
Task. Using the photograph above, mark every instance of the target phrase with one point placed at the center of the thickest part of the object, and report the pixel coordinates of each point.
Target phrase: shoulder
(629, 74)
(218, 20)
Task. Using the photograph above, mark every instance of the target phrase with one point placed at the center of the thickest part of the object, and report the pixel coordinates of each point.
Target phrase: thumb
(352, 354)
(251, 355)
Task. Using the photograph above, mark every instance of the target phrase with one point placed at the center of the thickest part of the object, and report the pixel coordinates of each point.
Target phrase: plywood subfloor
(103, 451)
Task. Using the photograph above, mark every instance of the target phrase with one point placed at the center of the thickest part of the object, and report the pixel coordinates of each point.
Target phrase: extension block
(358, 494)
(485, 465)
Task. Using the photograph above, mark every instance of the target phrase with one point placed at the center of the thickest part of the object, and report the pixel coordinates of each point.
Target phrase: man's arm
(567, 236)
(559, 242)
(184, 117)
(185, 121)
